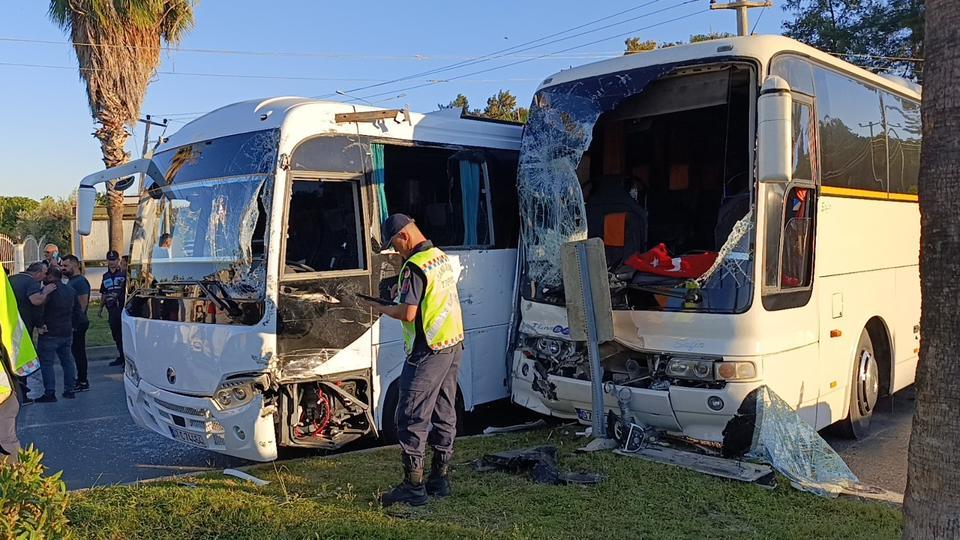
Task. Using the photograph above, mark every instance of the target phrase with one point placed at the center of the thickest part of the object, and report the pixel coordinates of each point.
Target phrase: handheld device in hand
(376, 300)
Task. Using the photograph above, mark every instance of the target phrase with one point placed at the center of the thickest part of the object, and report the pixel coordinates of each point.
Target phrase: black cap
(391, 226)
(112, 255)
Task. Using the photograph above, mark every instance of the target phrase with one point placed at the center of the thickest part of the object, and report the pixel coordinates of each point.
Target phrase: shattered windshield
(663, 188)
(209, 222)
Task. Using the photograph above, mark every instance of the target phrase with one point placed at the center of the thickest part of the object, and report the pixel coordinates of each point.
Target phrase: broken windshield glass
(641, 159)
(558, 132)
(209, 222)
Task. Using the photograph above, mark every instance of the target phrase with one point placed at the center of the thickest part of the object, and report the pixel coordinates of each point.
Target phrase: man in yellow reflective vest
(428, 308)
(18, 358)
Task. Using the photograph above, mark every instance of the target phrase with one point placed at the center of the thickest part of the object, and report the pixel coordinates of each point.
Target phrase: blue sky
(46, 145)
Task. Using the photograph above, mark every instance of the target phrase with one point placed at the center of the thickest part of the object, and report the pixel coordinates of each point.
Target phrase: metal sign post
(589, 312)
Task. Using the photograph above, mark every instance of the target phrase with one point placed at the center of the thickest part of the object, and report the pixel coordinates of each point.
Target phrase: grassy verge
(99, 332)
(336, 497)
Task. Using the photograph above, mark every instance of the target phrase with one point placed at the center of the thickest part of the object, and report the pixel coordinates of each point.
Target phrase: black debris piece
(541, 465)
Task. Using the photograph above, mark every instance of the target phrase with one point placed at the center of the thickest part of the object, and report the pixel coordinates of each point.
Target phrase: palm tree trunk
(932, 504)
(113, 137)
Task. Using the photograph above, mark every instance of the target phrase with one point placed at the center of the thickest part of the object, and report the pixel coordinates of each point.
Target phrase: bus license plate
(188, 437)
(585, 415)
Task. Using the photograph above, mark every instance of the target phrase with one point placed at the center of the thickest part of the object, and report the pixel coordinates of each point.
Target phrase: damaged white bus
(257, 229)
(757, 200)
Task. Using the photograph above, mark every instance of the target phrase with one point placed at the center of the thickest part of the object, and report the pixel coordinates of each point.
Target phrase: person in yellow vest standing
(428, 308)
(18, 358)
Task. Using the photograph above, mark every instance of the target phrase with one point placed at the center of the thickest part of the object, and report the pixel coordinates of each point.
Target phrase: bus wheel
(864, 389)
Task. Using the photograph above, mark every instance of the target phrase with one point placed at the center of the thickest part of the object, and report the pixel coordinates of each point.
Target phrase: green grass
(336, 497)
(99, 333)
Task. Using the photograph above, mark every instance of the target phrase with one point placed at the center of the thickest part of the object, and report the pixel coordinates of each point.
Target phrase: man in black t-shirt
(30, 293)
(56, 337)
(80, 285)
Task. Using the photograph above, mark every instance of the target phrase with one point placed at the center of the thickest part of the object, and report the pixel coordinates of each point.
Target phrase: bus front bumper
(245, 432)
(677, 409)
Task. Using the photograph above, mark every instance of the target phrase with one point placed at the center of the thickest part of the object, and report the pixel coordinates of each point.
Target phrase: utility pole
(146, 139)
(741, 7)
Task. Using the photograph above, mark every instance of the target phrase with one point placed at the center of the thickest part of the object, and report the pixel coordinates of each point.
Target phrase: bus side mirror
(775, 110)
(86, 200)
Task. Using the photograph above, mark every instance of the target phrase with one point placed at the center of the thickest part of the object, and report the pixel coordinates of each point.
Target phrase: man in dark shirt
(31, 295)
(113, 291)
(80, 285)
(56, 336)
(27, 289)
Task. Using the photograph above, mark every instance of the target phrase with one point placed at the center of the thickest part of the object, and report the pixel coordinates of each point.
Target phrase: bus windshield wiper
(222, 300)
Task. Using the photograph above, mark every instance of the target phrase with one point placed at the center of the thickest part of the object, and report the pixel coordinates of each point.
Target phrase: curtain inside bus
(379, 179)
(470, 193)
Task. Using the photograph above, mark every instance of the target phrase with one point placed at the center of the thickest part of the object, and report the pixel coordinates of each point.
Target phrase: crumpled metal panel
(795, 449)
(558, 132)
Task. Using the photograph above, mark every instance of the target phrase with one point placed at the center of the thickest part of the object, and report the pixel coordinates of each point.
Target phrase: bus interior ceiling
(673, 162)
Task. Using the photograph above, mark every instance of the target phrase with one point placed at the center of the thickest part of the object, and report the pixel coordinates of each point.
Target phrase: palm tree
(932, 504)
(118, 50)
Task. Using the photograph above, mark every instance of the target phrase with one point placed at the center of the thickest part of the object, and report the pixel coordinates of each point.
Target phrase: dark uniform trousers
(113, 319)
(427, 402)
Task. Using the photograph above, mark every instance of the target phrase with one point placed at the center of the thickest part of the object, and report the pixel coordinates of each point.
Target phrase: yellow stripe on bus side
(866, 194)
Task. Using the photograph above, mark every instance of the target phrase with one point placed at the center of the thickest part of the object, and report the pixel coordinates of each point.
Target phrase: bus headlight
(690, 368)
(736, 370)
(235, 393)
(130, 370)
(549, 347)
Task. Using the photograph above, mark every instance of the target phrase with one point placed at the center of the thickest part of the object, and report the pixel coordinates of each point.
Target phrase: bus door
(325, 263)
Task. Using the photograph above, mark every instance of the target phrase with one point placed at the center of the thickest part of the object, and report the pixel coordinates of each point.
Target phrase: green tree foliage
(500, 106)
(10, 208)
(49, 218)
(862, 31)
(31, 505)
(637, 45)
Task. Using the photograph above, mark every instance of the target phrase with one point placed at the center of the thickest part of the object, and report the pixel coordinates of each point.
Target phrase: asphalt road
(881, 458)
(94, 442)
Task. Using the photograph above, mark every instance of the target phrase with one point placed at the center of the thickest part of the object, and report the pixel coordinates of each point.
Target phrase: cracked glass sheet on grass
(558, 132)
(793, 447)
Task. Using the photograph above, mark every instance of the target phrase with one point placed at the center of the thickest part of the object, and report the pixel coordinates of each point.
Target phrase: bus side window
(323, 227)
(797, 240)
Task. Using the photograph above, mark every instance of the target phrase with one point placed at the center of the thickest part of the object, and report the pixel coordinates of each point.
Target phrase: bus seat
(614, 216)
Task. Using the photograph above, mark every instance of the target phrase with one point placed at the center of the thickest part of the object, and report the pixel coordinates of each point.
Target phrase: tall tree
(460, 102)
(932, 504)
(503, 106)
(10, 208)
(635, 45)
(118, 50)
(870, 33)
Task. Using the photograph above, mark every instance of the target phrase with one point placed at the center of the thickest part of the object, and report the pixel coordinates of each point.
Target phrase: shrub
(31, 505)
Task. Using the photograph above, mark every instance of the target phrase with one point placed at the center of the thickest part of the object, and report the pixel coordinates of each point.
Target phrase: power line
(292, 54)
(511, 64)
(522, 47)
(247, 76)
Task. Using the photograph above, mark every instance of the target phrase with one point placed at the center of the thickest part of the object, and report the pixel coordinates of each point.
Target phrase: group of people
(53, 297)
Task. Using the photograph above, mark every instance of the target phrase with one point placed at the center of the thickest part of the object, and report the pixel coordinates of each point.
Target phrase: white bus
(258, 226)
(800, 273)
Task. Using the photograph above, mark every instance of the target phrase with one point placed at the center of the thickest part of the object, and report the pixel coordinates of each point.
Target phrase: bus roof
(300, 117)
(762, 48)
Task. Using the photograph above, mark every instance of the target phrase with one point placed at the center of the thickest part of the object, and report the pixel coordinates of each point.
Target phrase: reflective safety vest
(18, 350)
(439, 308)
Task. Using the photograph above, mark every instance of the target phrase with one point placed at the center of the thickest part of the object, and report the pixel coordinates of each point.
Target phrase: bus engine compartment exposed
(326, 413)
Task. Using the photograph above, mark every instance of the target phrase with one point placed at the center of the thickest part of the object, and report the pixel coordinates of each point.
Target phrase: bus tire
(864, 389)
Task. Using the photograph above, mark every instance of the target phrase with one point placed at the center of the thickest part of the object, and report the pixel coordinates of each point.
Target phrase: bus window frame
(361, 181)
(775, 297)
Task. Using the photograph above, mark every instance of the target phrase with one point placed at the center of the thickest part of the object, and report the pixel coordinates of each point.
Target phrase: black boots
(438, 483)
(411, 491)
